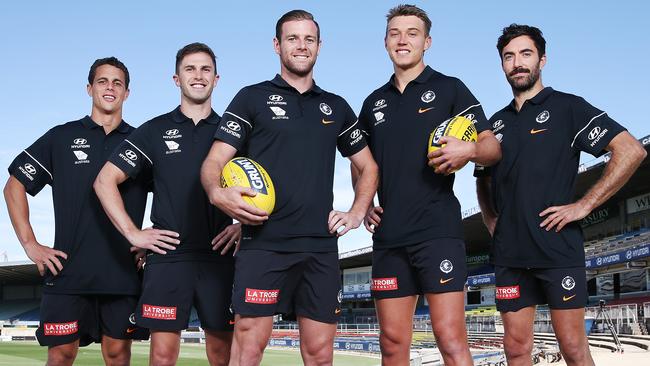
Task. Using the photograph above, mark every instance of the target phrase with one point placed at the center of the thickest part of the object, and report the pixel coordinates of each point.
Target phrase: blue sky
(598, 50)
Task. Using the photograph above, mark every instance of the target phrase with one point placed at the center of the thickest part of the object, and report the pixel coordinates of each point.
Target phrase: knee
(218, 356)
(393, 342)
(61, 356)
(117, 356)
(575, 350)
(516, 347)
(321, 353)
(163, 357)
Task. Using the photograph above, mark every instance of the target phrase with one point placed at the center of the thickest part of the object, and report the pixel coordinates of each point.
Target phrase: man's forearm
(625, 159)
(365, 187)
(483, 192)
(488, 149)
(106, 188)
(18, 207)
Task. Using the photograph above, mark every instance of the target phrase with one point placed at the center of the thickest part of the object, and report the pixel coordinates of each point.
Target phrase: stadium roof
(19, 273)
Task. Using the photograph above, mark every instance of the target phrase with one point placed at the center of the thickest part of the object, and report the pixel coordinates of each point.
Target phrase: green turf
(30, 353)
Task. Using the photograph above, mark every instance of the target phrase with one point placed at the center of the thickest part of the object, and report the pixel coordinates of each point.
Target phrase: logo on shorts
(543, 117)
(428, 96)
(446, 266)
(568, 283)
(159, 312)
(508, 293)
(60, 329)
(567, 298)
(384, 284)
(132, 318)
(339, 296)
(255, 296)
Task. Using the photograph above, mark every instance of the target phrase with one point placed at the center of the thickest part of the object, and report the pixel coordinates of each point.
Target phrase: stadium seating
(616, 243)
(15, 310)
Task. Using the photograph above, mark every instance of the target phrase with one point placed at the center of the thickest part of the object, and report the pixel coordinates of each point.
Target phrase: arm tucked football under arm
(488, 149)
(229, 200)
(627, 155)
(488, 212)
(365, 177)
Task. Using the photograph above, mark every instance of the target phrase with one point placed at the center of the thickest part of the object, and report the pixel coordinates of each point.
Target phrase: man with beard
(418, 246)
(183, 266)
(288, 262)
(527, 199)
(90, 285)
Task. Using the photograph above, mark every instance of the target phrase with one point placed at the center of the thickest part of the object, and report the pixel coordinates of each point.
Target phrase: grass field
(30, 353)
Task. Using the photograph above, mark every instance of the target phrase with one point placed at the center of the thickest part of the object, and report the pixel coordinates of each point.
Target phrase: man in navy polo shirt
(90, 281)
(527, 200)
(418, 246)
(288, 262)
(190, 258)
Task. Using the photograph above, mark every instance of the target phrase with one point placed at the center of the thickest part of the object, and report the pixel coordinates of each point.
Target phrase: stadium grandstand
(617, 247)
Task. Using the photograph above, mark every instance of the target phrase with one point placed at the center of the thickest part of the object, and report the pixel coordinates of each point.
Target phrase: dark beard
(528, 82)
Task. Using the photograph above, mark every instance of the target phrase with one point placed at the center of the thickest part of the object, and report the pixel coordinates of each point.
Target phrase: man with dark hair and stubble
(288, 262)
(418, 246)
(191, 245)
(91, 284)
(527, 199)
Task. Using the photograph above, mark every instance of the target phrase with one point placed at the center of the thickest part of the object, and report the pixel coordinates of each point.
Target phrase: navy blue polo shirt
(294, 137)
(172, 148)
(541, 147)
(68, 158)
(419, 205)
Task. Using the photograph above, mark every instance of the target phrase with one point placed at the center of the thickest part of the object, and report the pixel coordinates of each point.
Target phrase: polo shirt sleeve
(134, 154)
(351, 139)
(33, 166)
(365, 120)
(236, 125)
(466, 104)
(592, 127)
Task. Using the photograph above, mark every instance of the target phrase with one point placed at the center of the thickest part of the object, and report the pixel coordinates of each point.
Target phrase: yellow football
(458, 127)
(244, 172)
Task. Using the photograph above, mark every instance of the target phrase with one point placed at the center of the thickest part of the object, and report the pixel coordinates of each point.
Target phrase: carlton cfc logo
(568, 283)
(326, 109)
(428, 96)
(543, 117)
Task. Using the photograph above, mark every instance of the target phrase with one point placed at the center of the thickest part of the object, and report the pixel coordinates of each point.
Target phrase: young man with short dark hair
(527, 199)
(183, 268)
(90, 284)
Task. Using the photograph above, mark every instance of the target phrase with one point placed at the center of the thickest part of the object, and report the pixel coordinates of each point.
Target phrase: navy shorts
(67, 318)
(301, 284)
(560, 288)
(171, 289)
(435, 266)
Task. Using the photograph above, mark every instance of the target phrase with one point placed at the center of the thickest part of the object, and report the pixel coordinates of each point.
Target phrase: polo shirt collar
(88, 122)
(281, 83)
(179, 117)
(538, 99)
(424, 76)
